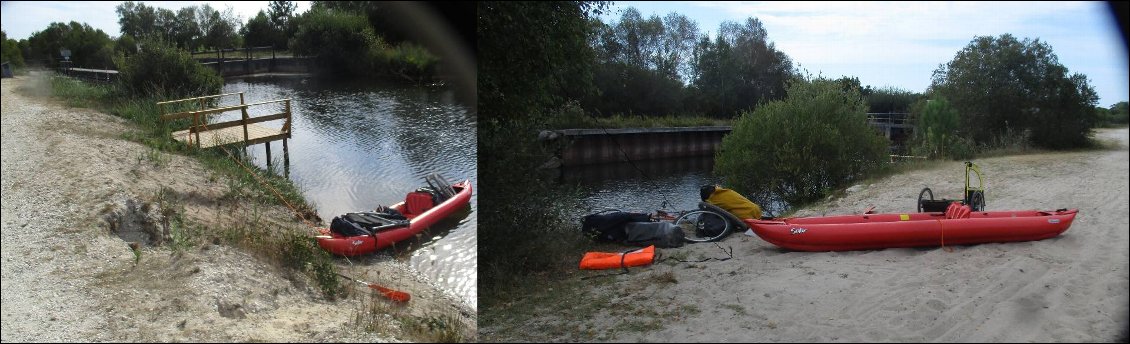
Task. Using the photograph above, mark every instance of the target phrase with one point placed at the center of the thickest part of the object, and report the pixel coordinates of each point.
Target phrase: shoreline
(1071, 288)
(69, 177)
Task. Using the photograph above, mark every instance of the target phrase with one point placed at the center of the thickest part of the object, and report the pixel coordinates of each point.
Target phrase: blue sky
(900, 44)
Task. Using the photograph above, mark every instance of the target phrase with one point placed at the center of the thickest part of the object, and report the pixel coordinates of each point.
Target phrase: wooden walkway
(245, 131)
(219, 137)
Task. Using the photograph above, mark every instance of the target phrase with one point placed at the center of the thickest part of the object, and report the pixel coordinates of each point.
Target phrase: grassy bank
(289, 248)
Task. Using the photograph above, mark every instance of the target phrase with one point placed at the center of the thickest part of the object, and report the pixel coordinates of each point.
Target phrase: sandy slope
(66, 277)
(1073, 288)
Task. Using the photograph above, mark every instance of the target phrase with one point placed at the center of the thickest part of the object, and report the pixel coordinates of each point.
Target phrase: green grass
(286, 247)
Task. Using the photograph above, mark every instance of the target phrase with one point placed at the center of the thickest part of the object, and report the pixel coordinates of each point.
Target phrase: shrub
(802, 147)
(160, 69)
(340, 41)
(406, 59)
(936, 134)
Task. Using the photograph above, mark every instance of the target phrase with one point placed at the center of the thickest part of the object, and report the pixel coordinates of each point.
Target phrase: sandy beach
(69, 176)
(1072, 288)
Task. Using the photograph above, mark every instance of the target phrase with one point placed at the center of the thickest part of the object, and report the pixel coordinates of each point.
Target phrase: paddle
(391, 294)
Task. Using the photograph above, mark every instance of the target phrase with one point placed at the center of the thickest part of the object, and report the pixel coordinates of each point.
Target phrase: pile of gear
(720, 212)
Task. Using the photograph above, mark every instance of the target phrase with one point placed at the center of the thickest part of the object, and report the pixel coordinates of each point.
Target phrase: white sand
(1072, 288)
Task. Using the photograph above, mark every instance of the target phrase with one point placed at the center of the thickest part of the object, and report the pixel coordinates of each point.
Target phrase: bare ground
(1072, 288)
(71, 182)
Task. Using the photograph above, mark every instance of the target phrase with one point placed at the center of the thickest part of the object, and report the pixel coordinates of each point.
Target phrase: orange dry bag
(605, 260)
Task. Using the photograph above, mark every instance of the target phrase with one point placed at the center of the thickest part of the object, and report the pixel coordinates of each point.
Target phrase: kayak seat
(417, 202)
(958, 211)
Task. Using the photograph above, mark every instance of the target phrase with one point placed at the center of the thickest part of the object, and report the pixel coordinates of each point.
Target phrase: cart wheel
(977, 201)
(703, 226)
(920, 197)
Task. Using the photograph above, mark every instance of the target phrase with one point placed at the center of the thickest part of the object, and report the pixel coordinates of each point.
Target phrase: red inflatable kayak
(877, 231)
(421, 214)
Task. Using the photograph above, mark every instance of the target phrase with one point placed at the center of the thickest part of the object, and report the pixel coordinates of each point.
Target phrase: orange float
(606, 260)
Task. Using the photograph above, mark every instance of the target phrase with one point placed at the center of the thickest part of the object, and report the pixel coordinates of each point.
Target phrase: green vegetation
(89, 47)
(665, 66)
(188, 28)
(1116, 115)
(341, 41)
(346, 44)
(10, 52)
(803, 147)
(272, 28)
(524, 83)
(936, 133)
(889, 99)
(348, 39)
(1002, 86)
(161, 69)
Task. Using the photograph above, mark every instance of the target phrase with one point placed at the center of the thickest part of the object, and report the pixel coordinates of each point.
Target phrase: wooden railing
(251, 133)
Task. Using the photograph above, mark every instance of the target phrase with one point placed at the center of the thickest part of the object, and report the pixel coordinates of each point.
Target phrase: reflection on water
(641, 186)
(356, 145)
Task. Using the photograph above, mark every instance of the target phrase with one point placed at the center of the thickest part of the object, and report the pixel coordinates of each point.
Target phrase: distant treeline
(666, 66)
(347, 38)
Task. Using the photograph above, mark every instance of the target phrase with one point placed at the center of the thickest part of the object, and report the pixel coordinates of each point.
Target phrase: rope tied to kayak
(942, 231)
(259, 179)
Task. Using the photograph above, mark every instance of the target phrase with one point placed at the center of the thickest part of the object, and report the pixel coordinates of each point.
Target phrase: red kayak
(417, 207)
(877, 231)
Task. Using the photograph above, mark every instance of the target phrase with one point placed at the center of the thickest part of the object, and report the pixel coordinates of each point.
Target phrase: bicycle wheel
(922, 197)
(703, 226)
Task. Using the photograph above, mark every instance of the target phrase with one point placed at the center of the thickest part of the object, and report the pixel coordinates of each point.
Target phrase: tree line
(354, 38)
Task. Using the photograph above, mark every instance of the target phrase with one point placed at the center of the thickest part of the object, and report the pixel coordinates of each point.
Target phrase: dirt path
(1072, 288)
(68, 176)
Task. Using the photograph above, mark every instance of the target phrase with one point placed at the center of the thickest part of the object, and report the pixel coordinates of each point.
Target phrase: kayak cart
(974, 195)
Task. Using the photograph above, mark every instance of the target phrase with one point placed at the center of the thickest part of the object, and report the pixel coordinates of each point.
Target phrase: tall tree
(1003, 86)
(259, 31)
(89, 47)
(739, 69)
(533, 56)
(186, 31)
(280, 13)
(11, 51)
(218, 30)
(137, 19)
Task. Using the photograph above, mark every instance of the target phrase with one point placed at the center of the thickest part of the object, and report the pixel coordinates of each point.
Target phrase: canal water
(356, 145)
(644, 186)
(640, 186)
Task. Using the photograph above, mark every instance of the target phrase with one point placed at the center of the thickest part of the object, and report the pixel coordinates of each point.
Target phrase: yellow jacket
(734, 203)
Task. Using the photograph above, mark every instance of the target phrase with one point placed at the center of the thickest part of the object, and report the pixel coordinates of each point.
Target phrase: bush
(802, 147)
(161, 70)
(342, 42)
(407, 59)
(937, 131)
